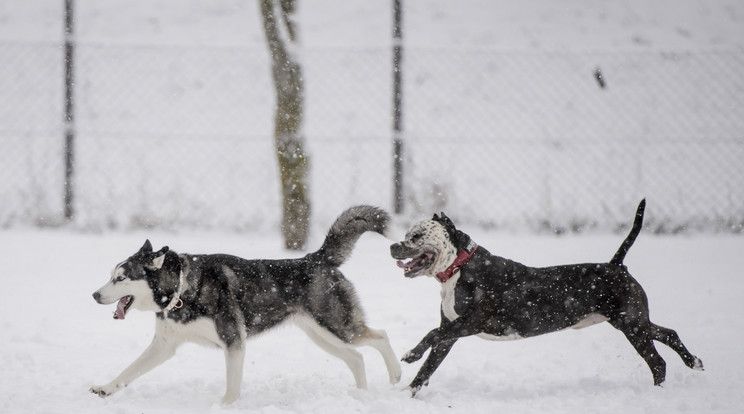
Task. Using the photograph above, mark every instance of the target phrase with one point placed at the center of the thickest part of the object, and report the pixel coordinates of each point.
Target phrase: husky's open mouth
(417, 263)
(123, 306)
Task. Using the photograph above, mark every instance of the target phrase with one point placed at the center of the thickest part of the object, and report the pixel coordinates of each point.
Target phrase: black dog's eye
(416, 237)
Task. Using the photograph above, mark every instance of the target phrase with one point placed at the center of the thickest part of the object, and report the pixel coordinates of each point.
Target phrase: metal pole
(69, 125)
(397, 108)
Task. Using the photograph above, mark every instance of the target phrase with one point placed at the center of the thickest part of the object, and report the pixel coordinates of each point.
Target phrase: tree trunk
(281, 34)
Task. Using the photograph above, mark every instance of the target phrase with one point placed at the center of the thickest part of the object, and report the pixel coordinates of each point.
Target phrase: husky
(222, 300)
(498, 299)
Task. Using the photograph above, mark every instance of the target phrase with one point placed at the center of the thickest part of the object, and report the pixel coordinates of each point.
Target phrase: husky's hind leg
(336, 347)
(378, 339)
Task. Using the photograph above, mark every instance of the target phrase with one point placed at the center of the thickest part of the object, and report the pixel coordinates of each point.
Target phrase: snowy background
(505, 125)
(143, 94)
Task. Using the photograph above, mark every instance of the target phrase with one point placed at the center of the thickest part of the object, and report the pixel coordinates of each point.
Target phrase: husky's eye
(120, 279)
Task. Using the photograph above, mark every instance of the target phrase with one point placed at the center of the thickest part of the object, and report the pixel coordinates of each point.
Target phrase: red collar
(460, 261)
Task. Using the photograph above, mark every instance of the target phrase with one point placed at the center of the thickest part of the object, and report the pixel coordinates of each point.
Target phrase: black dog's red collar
(459, 262)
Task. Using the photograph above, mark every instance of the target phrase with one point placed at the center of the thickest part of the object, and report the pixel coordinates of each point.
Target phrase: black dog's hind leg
(647, 350)
(638, 336)
(670, 338)
(435, 358)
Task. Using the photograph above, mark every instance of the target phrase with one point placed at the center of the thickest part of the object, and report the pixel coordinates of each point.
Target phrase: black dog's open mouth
(123, 306)
(416, 264)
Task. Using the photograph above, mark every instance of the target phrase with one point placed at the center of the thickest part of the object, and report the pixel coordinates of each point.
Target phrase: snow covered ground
(56, 341)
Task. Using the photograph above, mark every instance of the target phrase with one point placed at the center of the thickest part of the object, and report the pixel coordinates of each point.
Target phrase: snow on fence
(178, 137)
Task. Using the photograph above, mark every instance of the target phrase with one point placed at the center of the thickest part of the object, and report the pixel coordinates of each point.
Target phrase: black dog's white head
(141, 282)
(432, 245)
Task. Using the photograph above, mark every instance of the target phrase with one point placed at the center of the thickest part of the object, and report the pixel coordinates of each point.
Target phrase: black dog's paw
(412, 356)
(697, 364)
(414, 391)
(416, 386)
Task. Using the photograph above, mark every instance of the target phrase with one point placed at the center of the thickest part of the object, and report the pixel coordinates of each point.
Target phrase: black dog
(499, 299)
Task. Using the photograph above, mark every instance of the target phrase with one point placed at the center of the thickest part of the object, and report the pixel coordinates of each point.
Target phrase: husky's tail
(617, 259)
(346, 230)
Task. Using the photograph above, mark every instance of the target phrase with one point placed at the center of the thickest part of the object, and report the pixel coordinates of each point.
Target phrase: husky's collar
(176, 302)
(460, 261)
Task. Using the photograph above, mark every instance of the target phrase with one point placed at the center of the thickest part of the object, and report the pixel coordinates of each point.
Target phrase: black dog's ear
(458, 238)
(146, 248)
(448, 225)
(443, 217)
(445, 221)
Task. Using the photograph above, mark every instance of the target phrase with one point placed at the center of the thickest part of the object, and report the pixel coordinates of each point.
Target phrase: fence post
(397, 108)
(69, 125)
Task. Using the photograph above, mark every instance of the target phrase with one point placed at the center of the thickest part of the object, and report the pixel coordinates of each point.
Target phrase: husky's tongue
(120, 307)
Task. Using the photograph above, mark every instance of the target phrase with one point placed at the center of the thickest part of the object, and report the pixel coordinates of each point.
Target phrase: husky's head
(138, 282)
(432, 245)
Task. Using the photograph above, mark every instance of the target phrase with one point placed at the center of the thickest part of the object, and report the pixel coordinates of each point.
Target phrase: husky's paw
(102, 391)
(395, 375)
(230, 398)
(411, 356)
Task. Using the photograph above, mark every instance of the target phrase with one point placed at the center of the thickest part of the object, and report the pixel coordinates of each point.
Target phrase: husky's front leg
(159, 351)
(234, 356)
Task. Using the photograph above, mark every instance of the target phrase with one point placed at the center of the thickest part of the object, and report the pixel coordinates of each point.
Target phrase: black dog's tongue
(416, 261)
(406, 266)
(120, 308)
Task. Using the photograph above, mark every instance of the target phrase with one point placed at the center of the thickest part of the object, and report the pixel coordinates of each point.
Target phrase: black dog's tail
(346, 230)
(617, 259)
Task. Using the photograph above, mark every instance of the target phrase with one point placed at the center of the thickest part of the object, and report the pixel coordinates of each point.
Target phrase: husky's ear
(157, 261)
(146, 248)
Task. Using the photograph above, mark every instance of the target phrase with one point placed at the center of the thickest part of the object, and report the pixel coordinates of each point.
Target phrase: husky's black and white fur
(222, 300)
(499, 299)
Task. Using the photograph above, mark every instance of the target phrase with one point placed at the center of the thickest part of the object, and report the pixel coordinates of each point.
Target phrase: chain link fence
(181, 137)
(535, 140)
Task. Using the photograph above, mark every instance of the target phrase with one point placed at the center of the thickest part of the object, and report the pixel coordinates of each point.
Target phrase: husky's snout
(97, 296)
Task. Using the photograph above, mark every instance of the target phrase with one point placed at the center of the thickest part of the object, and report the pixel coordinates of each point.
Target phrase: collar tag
(176, 302)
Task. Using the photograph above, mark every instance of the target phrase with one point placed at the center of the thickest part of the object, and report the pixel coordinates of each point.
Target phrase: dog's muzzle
(396, 251)
(421, 259)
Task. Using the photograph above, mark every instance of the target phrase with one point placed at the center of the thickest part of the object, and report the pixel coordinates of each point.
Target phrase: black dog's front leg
(440, 341)
(438, 352)
(418, 351)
